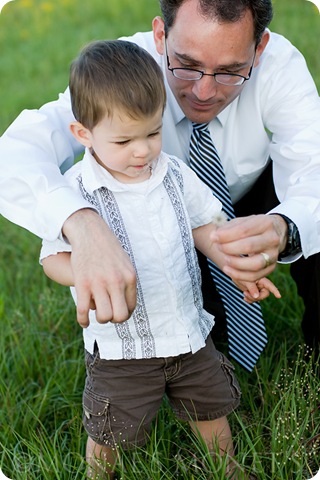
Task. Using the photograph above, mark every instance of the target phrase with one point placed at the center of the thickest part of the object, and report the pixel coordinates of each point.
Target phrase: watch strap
(293, 245)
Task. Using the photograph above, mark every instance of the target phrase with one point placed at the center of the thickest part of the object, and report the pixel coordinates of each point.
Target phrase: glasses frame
(216, 76)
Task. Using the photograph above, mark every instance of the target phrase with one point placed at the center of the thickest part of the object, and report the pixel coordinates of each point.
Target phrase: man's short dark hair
(224, 11)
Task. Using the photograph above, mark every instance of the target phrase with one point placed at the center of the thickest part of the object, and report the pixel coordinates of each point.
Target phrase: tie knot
(200, 126)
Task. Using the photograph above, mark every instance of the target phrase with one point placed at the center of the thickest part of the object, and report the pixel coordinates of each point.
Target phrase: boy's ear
(81, 133)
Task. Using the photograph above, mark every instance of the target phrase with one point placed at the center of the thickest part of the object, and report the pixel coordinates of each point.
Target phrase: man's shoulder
(144, 40)
(278, 47)
(279, 59)
(73, 173)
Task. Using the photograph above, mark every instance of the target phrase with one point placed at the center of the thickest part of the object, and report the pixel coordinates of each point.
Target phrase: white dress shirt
(153, 221)
(277, 115)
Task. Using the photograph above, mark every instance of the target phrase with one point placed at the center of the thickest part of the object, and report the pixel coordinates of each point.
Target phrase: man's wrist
(76, 221)
(293, 241)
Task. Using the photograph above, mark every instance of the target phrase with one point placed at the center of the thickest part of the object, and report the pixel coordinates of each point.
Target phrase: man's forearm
(79, 223)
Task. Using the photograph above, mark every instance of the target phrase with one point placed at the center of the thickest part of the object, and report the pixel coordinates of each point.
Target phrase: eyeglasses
(191, 74)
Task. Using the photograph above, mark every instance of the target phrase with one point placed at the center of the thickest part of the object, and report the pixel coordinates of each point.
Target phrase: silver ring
(267, 259)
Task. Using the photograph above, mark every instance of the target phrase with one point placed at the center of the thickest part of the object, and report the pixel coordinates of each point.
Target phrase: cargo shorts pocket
(228, 370)
(96, 417)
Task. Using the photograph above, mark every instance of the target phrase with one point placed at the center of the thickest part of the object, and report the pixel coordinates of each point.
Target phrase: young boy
(158, 209)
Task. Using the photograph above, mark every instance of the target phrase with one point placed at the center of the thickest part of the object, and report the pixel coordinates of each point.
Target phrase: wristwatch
(293, 246)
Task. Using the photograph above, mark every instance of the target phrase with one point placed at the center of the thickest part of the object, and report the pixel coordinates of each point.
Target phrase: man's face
(206, 45)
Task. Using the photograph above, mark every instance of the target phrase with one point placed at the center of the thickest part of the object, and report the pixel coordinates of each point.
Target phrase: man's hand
(104, 277)
(243, 240)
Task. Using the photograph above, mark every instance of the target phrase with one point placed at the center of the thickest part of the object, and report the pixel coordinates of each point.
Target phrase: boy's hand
(259, 290)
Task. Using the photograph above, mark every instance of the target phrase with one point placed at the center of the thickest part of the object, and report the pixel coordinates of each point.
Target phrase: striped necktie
(245, 326)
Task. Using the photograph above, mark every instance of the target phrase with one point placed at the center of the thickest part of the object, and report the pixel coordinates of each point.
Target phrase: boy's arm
(202, 241)
(254, 290)
(58, 268)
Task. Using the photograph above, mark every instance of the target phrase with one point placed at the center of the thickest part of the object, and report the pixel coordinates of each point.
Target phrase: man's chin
(201, 115)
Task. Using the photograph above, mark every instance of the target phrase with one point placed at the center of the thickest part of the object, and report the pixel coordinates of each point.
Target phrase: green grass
(276, 427)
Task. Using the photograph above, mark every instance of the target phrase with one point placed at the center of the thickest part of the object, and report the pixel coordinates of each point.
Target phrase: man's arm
(33, 192)
(280, 99)
(289, 106)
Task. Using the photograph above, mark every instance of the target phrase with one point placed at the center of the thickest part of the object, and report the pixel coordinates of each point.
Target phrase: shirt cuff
(306, 225)
(54, 209)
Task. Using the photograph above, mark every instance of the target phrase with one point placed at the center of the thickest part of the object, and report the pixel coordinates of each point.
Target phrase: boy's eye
(122, 142)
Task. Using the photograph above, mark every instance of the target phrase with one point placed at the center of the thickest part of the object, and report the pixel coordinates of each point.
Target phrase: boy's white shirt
(169, 318)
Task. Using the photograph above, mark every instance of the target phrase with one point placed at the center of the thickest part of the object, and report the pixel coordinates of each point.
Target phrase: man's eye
(236, 71)
(186, 65)
(189, 67)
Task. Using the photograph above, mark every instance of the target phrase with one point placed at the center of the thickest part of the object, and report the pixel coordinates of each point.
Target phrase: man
(272, 118)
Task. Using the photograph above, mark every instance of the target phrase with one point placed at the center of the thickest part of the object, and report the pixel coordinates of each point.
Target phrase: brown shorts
(122, 397)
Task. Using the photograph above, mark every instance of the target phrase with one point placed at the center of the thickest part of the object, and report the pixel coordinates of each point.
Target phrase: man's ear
(261, 46)
(81, 133)
(158, 34)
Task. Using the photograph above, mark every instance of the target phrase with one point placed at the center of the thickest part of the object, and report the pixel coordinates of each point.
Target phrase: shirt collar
(93, 175)
(223, 116)
(220, 119)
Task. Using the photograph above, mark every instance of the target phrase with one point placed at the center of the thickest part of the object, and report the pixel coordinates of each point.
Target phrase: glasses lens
(186, 74)
(225, 79)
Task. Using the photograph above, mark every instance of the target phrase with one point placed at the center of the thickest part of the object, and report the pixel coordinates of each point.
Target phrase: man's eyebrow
(187, 58)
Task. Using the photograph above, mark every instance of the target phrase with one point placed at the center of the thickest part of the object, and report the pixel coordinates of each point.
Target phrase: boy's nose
(141, 149)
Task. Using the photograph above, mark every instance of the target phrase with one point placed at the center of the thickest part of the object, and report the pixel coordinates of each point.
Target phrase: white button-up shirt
(277, 115)
(153, 221)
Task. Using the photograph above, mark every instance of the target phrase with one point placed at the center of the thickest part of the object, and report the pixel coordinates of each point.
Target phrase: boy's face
(126, 147)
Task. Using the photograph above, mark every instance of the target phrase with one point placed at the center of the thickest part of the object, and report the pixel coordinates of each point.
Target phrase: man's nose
(205, 88)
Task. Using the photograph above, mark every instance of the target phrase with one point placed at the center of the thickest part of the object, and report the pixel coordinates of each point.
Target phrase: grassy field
(276, 428)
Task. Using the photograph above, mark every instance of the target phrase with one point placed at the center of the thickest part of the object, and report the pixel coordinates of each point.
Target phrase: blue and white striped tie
(245, 326)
